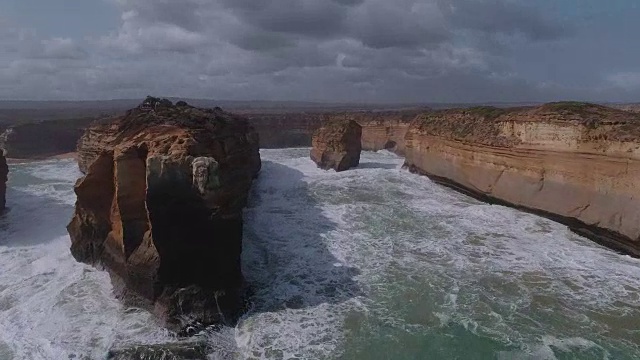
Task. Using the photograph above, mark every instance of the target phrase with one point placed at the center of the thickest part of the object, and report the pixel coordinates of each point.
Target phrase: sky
(374, 51)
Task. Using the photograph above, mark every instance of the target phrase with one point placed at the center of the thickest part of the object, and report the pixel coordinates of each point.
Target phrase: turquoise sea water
(372, 263)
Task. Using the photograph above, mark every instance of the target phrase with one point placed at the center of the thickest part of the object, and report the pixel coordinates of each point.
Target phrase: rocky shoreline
(574, 163)
(154, 178)
(483, 150)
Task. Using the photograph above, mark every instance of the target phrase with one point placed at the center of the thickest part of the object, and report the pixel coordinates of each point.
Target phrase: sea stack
(337, 145)
(573, 162)
(160, 206)
(4, 172)
(383, 130)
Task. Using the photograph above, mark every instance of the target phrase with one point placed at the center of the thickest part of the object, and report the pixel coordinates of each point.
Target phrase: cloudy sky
(321, 50)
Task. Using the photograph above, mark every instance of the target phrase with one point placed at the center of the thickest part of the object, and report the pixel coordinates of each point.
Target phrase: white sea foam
(52, 307)
(495, 271)
(374, 262)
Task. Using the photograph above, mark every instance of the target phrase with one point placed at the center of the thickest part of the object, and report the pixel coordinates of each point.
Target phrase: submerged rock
(337, 145)
(4, 171)
(160, 206)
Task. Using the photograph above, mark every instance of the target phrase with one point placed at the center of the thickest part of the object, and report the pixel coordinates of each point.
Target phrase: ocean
(371, 263)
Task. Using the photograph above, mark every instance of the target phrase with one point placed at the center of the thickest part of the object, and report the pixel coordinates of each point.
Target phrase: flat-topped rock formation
(577, 163)
(337, 145)
(4, 171)
(160, 206)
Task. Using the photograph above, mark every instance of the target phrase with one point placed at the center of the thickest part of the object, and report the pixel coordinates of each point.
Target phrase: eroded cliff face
(4, 172)
(337, 145)
(160, 206)
(285, 130)
(381, 129)
(576, 163)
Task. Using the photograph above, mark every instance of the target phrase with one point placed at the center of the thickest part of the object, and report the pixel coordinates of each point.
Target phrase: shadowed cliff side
(380, 129)
(4, 172)
(285, 130)
(576, 163)
(42, 139)
(160, 206)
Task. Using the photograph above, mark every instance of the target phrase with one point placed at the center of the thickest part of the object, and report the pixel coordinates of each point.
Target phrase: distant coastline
(69, 155)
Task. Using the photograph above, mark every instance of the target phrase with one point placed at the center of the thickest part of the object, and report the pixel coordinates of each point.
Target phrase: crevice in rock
(90, 226)
(131, 190)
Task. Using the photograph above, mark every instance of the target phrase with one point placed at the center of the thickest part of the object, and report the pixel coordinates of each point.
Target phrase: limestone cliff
(285, 130)
(337, 145)
(160, 206)
(577, 163)
(4, 171)
(381, 129)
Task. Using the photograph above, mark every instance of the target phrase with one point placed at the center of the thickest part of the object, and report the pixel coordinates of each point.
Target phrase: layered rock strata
(381, 130)
(285, 130)
(4, 172)
(573, 162)
(160, 206)
(337, 145)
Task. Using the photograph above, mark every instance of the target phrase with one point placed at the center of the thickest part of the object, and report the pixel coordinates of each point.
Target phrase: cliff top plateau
(485, 124)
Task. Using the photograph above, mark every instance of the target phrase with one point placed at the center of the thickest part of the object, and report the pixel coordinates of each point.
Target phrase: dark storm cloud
(183, 13)
(327, 50)
(378, 24)
(261, 41)
(383, 24)
(499, 17)
(349, 2)
(302, 17)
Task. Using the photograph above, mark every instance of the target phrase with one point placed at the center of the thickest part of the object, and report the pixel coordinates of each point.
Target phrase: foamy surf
(52, 307)
(419, 271)
(371, 263)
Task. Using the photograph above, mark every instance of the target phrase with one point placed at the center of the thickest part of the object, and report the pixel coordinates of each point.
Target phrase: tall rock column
(4, 171)
(337, 145)
(160, 206)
